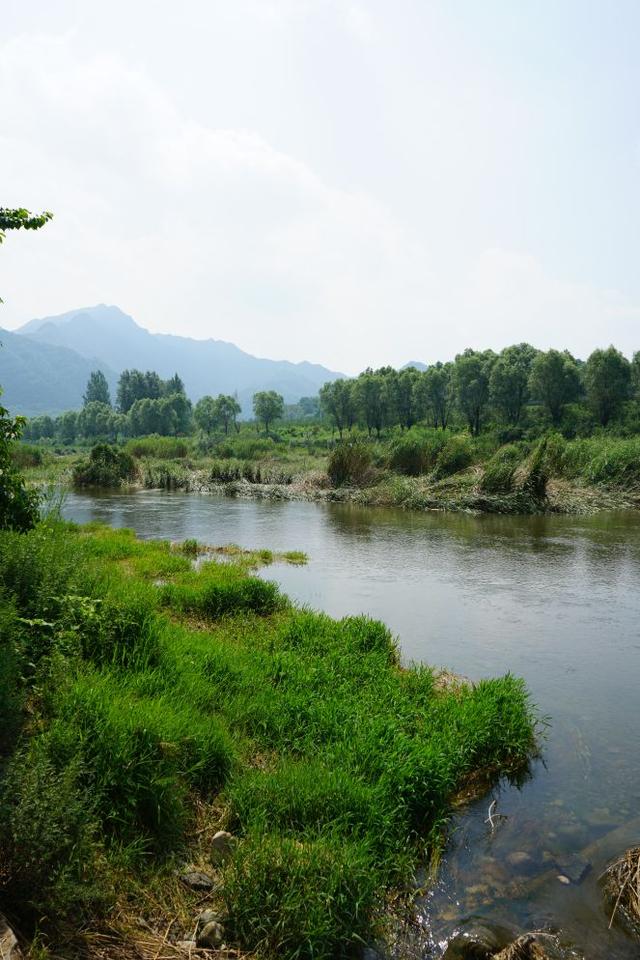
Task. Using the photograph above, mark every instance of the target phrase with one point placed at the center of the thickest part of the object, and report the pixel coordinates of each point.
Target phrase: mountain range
(45, 365)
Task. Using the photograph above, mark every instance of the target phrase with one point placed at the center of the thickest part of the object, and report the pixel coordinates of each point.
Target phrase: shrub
(106, 467)
(455, 455)
(47, 836)
(11, 668)
(26, 455)
(350, 462)
(409, 456)
(499, 472)
(161, 448)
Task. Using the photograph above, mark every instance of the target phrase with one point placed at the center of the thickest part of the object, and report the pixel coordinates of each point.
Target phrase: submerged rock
(9, 949)
(533, 946)
(478, 939)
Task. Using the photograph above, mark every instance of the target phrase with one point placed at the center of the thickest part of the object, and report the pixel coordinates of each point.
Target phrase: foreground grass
(144, 704)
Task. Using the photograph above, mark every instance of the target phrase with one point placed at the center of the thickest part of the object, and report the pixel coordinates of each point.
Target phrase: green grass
(168, 692)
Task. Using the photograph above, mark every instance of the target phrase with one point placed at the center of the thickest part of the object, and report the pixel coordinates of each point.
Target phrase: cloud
(214, 232)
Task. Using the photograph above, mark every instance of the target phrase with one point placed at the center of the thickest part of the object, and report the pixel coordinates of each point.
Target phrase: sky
(353, 182)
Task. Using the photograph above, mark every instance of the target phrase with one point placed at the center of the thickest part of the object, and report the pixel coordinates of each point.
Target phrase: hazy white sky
(349, 181)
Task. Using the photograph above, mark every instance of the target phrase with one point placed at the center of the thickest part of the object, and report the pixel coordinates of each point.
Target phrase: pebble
(211, 935)
(197, 880)
(221, 846)
(518, 858)
(207, 916)
(563, 879)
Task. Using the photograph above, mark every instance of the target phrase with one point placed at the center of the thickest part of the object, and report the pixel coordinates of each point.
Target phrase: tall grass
(149, 701)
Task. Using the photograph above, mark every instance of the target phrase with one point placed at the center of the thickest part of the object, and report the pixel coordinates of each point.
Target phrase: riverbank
(150, 706)
(554, 476)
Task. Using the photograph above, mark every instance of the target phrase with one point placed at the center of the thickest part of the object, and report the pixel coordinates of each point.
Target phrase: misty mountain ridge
(107, 338)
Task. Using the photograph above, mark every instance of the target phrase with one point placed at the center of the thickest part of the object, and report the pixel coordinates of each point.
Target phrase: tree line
(147, 404)
(479, 385)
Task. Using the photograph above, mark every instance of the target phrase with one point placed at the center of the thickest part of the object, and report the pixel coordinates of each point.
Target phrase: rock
(518, 858)
(221, 846)
(207, 916)
(9, 949)
(574, 868)
(197, 880)
(563, 879)
(478, 939)
(211, 935)
(189, 945)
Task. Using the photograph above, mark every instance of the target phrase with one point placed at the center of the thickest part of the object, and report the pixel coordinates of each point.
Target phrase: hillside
(206, 366)
(41, 378)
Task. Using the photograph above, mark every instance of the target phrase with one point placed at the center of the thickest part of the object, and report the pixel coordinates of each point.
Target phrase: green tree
(95, 420)
(174, 385)
(135, 385)
(337, 400)
(371, 397)
(97, 389)
(268, 406)
(555, 381)
(66, 426)
(607, 377)
(39, 428)
(227, 411)
(509, 380)
(434, 393)
(20, 219)
(635, 375)
(405, 407)
(18, 506)
(471, 374)
(205, 414)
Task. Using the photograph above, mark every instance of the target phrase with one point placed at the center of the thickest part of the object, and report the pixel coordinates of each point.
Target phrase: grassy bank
(419, 469)
(145, 705)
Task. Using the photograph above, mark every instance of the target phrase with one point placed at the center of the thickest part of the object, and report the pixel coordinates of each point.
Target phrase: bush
(499, 472)
(47, 836)
(107, 467)
(409, 456)
(26, 455)
(11, 669)
(161, 448)
(350, 462)
(456, 455)
(225, 593)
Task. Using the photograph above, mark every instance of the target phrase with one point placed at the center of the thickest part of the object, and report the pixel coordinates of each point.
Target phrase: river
(555, 600)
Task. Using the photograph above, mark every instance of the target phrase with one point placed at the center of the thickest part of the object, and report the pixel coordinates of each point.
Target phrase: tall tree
(97, 389)
(227, 411)
(337, 400)
(555, 381)
(471, 373)
(509, 380)
(174, 385)
(607, 377)
(268, 406)
(135, 385)
(404, 396)
(205, 414)
(434, 393)
(371, 396)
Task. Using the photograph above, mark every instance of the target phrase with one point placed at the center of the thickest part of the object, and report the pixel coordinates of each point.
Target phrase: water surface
(555, 600)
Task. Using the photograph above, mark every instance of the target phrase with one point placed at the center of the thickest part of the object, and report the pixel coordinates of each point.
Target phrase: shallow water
(555, 600)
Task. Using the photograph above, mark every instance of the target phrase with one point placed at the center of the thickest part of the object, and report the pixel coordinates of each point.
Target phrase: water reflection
(553, 599)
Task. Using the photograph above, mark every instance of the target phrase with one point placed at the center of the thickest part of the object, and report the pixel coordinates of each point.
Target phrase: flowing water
(555, 600)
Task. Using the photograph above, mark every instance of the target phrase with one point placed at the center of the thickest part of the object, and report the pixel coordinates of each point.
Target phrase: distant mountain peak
(106, 335)
(415, 365)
